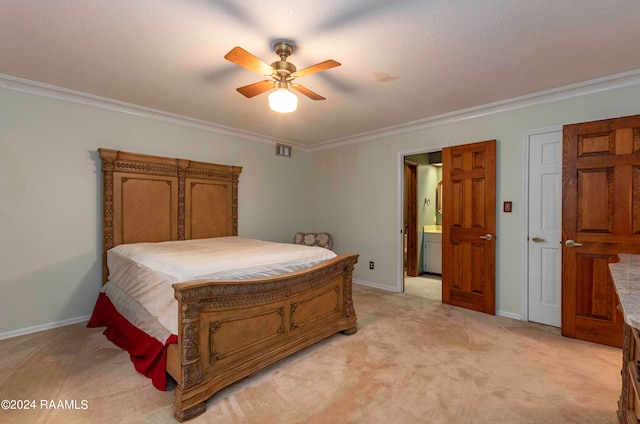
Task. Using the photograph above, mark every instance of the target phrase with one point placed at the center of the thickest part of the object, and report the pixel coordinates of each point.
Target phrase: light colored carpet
(413, 360)
(426, 285)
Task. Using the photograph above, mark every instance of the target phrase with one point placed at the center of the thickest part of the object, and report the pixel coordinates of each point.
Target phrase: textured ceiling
(401, 61)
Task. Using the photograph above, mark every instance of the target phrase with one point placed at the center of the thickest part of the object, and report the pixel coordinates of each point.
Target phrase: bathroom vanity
(432, 249)
(626, 279)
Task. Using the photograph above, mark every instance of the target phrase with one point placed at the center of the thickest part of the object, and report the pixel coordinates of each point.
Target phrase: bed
(226, 329)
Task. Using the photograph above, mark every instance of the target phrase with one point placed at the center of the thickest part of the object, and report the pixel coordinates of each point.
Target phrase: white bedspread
(141, 274)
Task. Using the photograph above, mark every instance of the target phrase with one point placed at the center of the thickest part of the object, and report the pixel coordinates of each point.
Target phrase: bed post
(183, 164)
(349, 310)
(235, 174)
(190, 370)
(108, 165)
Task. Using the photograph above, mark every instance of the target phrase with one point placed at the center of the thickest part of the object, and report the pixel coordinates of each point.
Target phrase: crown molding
(612, 82)
(12, 83)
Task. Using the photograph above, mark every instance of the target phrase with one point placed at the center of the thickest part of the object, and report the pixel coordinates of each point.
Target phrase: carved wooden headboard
(151, 198)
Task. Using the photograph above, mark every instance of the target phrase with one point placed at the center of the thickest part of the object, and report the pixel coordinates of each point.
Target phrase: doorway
(468, 224)
(422, 224)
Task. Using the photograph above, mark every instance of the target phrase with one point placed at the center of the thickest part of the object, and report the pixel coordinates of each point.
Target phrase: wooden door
(601, 218)
(410, 219)
(468, 226)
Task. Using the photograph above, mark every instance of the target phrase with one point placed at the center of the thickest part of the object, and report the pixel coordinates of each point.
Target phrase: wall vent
(283, 150)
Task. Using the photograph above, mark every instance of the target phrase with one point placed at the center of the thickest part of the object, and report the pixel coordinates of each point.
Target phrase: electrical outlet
(370, 264)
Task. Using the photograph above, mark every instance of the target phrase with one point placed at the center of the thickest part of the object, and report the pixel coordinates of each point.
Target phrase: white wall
(356, 186)
(50, 222)
(50, 192)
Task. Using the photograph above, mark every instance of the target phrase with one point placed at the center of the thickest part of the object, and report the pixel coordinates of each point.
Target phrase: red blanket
(149, 356)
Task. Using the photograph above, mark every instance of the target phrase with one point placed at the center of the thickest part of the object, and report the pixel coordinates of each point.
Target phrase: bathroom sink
(436, 229)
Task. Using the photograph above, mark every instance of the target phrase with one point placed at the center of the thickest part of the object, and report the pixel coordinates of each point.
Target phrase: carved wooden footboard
(229, 330)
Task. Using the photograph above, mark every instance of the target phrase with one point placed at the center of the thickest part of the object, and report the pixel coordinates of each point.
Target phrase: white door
(545, 229)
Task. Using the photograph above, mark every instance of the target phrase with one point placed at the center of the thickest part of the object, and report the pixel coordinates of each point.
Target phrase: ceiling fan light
(282, 100)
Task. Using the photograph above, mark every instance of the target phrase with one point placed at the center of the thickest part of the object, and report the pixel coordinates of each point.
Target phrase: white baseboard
(42, 327)
(375, 285)
(509, 315)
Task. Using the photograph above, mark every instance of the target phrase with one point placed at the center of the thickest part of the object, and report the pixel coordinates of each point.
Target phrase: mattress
(141, 274)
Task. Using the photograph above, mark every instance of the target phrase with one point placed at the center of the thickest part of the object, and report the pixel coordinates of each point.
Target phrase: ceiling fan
(282, 74)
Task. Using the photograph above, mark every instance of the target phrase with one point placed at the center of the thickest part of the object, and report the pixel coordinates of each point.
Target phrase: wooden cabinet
(629, 403)
(626, 280)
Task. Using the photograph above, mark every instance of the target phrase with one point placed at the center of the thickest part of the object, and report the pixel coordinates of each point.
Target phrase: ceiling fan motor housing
(283, 49)
(282, 67)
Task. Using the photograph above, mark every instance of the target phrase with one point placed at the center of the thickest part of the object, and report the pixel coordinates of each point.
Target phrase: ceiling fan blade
(310, 94)
(318, 67)
(241, 57)
(256, 88)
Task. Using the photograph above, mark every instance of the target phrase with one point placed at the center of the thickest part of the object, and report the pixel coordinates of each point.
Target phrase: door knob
(487, 237)
(538, 240)
(571, 243)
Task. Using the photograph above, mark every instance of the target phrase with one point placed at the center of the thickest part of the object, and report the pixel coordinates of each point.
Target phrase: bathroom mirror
(439, 197)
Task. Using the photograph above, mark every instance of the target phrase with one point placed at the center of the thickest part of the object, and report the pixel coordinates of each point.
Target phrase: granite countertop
(626, 279)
